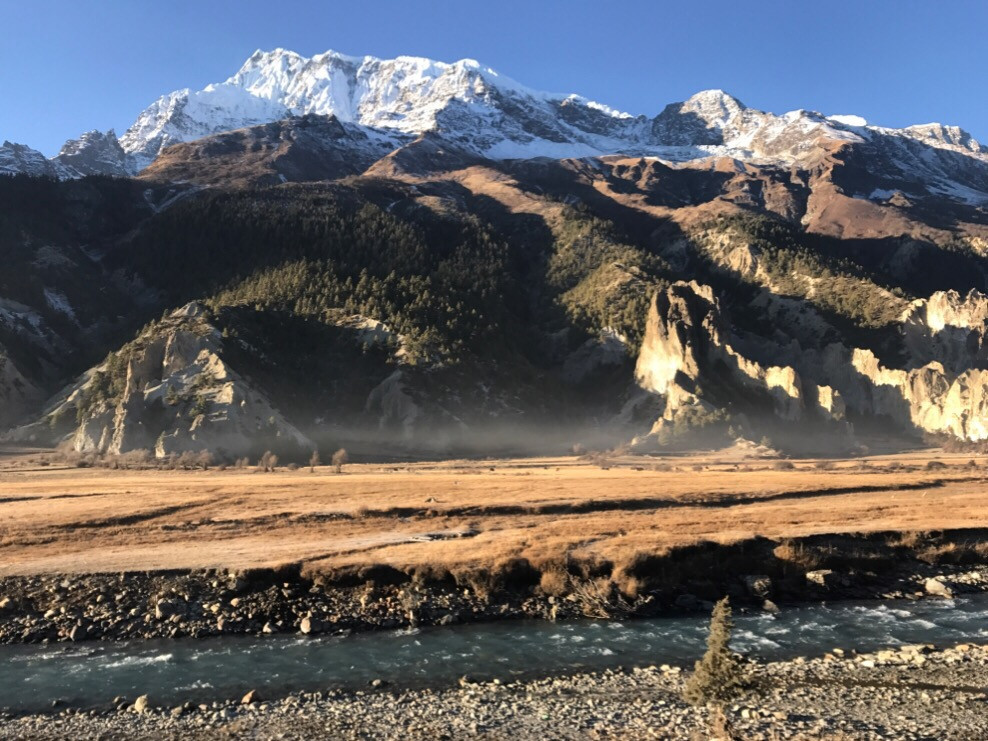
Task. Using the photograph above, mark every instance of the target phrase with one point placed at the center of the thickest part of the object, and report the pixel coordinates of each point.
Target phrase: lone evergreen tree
(720, 675)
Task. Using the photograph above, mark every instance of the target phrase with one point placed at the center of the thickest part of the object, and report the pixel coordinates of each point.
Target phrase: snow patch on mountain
(849, 120)
(57, 301)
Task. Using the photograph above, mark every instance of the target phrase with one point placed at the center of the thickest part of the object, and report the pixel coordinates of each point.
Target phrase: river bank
(911, 692)
(201, 604)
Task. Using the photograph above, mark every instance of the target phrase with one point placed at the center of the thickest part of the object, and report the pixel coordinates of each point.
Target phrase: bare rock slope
(168, 391)
(689, 359)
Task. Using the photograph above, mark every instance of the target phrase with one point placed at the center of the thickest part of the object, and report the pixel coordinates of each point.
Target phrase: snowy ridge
(21, 159)
(490, 115)
(409, 94)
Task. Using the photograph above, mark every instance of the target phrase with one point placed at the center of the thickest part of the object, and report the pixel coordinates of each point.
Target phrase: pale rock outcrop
(178, 395)
(394, 406)
(927, 399)
(943, 389)
(686, 348)
(948, 328)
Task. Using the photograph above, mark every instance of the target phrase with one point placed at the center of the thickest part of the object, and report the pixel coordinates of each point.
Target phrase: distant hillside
(714, 272)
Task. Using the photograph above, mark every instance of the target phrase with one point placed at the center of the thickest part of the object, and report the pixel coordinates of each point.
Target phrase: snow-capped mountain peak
(715, 107)
(410, 94)
(951, 137)
(483, 113)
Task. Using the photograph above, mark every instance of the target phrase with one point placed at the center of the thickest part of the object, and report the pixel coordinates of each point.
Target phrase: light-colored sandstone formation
(392, 405)
(179, 395)
(943, 389)
(687, 350)
(948, 328)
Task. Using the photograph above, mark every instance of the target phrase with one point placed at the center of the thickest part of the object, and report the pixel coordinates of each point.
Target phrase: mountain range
(418, 254)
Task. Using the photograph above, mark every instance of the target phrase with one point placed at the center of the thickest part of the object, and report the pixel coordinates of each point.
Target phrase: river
(32, 677)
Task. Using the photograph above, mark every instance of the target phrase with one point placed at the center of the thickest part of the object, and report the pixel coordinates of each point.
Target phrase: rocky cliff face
(689, 358)
(169, 391)
(947, 328)
(95, 153)
(942, 387)
(306, 148)
(18, 159)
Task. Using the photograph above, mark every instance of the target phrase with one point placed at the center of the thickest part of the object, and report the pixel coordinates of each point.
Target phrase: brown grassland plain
(457, 514)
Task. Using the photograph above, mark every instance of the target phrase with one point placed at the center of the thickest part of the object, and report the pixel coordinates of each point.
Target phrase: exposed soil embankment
(757, 574)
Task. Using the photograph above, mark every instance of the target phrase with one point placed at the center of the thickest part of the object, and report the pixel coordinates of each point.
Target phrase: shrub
(935, 465)
(554, 581)
(600, 598)
(135, 459)
(188, 460)
(720, 675)
(199, 406)
(268, 462)
(339, 458)
(783, 466)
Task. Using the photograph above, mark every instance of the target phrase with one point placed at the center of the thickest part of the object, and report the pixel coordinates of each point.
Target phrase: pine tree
(720, 675)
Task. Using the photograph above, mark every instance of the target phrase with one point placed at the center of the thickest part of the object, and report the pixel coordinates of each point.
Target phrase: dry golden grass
(459, 515)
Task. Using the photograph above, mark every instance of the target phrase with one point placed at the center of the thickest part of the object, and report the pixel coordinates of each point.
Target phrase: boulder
(936, 588)
(251, 697)
(823, 578)
(165, 609)
(759, 586)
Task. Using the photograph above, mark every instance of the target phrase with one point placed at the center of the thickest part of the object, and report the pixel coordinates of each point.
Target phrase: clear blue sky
(67, 66)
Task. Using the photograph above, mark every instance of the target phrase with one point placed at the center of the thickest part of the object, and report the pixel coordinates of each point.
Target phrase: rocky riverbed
(76, 608)
(910, 692)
